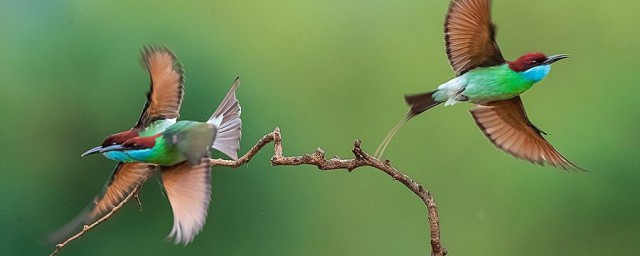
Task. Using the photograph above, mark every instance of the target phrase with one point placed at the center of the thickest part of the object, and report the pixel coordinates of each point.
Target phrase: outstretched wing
(165, 94)
(507, 126)
(188, 188)
(124, 179)
(470, 36)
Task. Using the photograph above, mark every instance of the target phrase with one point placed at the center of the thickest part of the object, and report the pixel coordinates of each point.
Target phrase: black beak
(112, 148)
(92, 151)
(553, 58)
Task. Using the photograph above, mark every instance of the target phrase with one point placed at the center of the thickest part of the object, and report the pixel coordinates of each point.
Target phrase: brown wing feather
(188, 188)
(507, 126)
(165, 94)
(470, 36)
(124, 178)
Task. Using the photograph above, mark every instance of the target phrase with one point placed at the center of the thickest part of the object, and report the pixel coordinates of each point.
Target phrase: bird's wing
(165, 93)
(470, 36)
(228, 124)
(188, 188)
(506, 124)
(124, 179)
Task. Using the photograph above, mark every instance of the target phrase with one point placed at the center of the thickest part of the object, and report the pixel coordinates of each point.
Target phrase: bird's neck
(536, 74)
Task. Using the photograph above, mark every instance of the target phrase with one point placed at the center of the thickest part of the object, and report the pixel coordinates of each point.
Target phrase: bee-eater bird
(160, 111)
(186, 185)
(494, 85)
(187, 142)
(181, 153)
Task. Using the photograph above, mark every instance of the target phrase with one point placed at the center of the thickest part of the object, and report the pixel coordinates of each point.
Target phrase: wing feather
(166, 90)
(124, 179)
(515, 134)
(470, 36)
(188, 188)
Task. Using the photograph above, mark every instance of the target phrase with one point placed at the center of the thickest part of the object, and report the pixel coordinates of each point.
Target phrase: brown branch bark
(361, 159)
(317, 159)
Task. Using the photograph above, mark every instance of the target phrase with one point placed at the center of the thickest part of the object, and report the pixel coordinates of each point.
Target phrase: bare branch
(318, 159)
(361, 159)
(247, 156)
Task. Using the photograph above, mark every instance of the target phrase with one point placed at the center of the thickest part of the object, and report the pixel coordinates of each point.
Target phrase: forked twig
(361, 159)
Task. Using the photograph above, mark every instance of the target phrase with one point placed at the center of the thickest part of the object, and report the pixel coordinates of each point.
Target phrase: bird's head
(119, 138)
(136, 143)
(114, 139)
(535, 66)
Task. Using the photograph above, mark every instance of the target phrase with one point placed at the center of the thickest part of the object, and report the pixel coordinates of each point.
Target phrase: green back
(157, 127)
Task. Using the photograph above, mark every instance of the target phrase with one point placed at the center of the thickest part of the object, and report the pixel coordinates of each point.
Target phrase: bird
(493, 84)
(181, 152)
(186, 141)
(187, 186)
(161, 109)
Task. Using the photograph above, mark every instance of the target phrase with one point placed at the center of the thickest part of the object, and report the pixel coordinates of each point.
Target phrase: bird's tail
(419, 103)
(228, 124)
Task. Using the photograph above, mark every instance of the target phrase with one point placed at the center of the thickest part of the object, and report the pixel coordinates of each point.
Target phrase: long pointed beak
(112, 148)
(92, 151)
(553, 58)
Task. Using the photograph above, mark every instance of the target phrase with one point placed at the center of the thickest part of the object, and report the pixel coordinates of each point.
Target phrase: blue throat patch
(536, 74)
(118, 156)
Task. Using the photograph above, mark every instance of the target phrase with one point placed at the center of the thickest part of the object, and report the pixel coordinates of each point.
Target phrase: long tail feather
(419, 103)
(385, 142)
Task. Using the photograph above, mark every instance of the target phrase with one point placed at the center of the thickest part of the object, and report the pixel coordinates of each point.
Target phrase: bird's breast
(497, 83)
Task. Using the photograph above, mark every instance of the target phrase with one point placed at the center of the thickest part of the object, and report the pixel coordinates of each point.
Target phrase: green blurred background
(326, 72)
